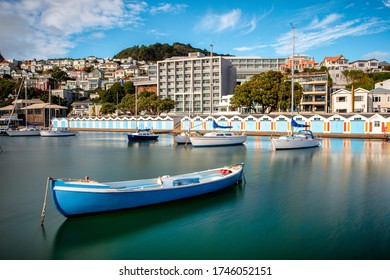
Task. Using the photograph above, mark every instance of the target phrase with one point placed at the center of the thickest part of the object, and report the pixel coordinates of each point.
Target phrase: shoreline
(374, 136)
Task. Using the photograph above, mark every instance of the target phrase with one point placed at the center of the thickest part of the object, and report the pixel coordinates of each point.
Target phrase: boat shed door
(336, 126)
(357, 126)
(317, 126)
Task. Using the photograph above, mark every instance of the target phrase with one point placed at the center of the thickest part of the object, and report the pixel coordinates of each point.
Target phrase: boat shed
(62, 122)
(377, 123)
(317, 123)
(222, 120)
(282, 123)
(356, 124)
(185, 123)
(237, 123)
(198, 123)
(265, 123)
(336, 124)
(209, 123)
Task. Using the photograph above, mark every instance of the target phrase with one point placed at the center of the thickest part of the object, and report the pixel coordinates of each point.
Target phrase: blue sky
(45, 29)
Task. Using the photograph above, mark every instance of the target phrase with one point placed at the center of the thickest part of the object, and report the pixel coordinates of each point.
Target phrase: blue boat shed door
(336, 126)
(281, 126)
(357, 126)
(317, 126)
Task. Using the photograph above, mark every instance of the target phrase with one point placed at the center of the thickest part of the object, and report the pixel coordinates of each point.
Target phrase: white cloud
(222, 22)
(250, 48)
(311, 39)
(378, 55)
(157, 33)
(45, 28)
(97, 35)
(386, 3)
(232, 20)
(168, 8)
(325, 22)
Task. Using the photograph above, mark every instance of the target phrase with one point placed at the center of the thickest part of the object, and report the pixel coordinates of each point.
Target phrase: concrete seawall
(382, 136)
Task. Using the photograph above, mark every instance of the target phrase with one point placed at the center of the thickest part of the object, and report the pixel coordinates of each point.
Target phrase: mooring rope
(44, 201)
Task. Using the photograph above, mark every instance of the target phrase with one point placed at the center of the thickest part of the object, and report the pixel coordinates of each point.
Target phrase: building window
(358, 98)
(377, 123)
(377, 99)
(341, 99)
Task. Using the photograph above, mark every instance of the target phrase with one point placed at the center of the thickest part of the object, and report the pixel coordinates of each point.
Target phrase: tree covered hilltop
(159, 51)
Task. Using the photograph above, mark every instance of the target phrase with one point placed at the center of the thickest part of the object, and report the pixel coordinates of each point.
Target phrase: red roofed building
(335, 66)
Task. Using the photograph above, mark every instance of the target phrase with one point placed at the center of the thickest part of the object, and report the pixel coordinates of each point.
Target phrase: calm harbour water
(327, 203)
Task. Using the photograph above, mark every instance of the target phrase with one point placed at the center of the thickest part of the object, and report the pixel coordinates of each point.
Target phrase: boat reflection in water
(127, 232)
(142, 143)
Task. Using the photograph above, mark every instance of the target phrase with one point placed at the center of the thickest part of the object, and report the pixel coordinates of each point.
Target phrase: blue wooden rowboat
(74, 197)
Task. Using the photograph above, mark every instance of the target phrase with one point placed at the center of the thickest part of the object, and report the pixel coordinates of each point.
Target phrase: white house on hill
(346, 101)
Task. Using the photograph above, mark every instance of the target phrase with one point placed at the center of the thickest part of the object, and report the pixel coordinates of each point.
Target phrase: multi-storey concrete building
(197, 82)
(246, 67)
(315, 91)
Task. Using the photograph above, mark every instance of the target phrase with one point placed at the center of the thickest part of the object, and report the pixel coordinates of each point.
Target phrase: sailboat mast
(25, 96)
(136, 108)
(211, 78)
(292, 70)
(49, 107)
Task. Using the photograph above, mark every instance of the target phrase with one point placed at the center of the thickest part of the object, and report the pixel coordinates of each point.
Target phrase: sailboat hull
(54, 132)
(294, 142)
(23, 132)
(217, 139)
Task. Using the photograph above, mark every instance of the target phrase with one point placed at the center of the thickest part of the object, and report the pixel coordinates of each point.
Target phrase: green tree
(244, 97)
(165, 105)
(148, 102)
(107, 108)
(113, 95)
(128, 103)
(353, 76)
(284, 97)
(270, 83)
(264, 89)
(7, 87)
(59, 76)
(365, 82)
(129, 87)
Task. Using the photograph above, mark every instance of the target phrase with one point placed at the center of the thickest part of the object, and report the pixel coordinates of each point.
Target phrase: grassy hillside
(159, 51)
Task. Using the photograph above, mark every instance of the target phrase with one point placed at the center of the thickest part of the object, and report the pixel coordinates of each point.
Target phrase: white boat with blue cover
(304, 138)
(218, 137)
(300, 140)
(74, 197)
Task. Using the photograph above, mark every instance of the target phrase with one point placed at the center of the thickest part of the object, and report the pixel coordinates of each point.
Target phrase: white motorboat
(218, 138)
(57, 132)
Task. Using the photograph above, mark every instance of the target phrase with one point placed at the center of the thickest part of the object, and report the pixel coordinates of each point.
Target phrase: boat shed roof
(45, 105)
